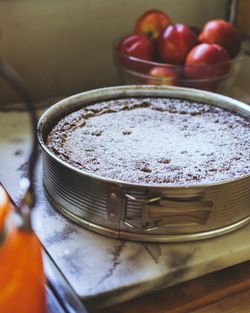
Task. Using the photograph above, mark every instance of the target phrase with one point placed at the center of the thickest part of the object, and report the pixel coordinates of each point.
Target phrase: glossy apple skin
(175, 42)
(163, 76)
(138, 46)
(134, 48)
(222, 33)
(207, 61)
(151, 23)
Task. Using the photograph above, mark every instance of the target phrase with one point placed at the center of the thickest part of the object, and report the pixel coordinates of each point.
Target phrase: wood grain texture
(239, 303)
(196, 294)
(243, 17)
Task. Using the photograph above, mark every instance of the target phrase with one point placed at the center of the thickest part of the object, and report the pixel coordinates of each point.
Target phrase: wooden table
(223, 291)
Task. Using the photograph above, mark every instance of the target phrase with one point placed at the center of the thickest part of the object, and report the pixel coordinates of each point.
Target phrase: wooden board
(239, 303)
(228, 289)
(243, 17)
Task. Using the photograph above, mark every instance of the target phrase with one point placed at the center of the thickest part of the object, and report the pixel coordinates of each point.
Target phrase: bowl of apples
(162, 53)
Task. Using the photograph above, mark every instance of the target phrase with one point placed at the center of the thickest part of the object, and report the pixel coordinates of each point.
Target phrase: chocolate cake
(154, 141)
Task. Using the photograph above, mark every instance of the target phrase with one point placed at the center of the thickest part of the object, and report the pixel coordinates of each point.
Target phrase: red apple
(175, 42)
(151, 23)
(138, 46)
(134, 48)
(207, 61)
(222, 33)
(163, 76)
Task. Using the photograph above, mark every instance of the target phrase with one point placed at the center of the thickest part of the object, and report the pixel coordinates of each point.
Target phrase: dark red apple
(138, 46)
(151, 23)
(133, 50)
(163, 76)
(222, 33)
(175, 42)
(207, 61)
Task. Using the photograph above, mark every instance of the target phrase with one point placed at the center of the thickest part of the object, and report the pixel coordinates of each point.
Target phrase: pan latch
(170, 211)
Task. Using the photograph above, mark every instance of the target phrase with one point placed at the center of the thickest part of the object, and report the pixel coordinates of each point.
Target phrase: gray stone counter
(101, 270)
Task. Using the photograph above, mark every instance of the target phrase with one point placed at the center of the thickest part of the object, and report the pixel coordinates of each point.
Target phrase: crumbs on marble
(18, 152)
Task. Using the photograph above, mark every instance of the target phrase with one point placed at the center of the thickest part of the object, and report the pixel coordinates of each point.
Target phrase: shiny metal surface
(136, 211)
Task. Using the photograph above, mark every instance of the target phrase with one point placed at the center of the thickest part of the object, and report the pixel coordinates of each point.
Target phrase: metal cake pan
(156, 213)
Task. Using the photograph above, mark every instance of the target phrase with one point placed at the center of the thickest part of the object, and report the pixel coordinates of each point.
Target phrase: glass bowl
(218, 77)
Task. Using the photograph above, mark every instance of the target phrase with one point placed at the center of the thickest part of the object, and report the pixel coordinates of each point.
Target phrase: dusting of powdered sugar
(155, 141)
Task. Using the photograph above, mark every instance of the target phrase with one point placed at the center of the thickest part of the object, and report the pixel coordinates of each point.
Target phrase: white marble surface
(101, 270)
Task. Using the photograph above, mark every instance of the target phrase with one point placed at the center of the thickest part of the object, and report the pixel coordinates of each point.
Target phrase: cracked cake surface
(154, 141)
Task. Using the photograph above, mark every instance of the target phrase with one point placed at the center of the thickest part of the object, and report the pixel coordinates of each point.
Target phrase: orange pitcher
(22, 281)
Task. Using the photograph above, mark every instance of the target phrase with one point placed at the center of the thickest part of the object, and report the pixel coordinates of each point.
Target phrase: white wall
(64, 46)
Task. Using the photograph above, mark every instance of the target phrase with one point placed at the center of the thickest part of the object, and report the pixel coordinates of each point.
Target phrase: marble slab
(105, 271)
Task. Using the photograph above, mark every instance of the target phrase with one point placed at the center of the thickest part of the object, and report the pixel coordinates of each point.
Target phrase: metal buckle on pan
(143, 202)
(167, 211)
